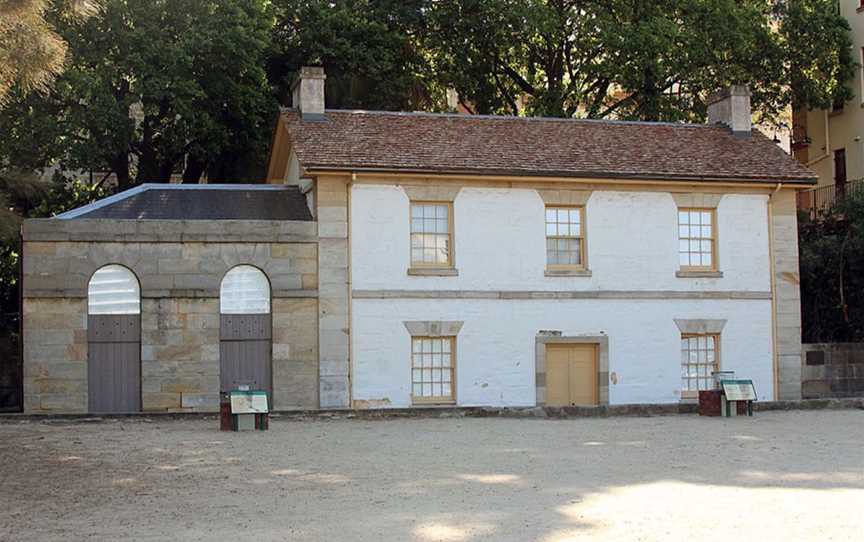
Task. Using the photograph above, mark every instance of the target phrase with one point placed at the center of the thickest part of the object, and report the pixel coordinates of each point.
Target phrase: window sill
(568, 272)
(699, 274)
(433, 271)
(419, 403)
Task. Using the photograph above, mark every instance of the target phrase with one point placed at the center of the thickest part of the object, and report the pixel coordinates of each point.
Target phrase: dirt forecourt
(778, 476)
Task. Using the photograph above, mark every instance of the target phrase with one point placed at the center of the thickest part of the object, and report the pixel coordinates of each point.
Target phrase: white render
(495, 347)
(500, 246)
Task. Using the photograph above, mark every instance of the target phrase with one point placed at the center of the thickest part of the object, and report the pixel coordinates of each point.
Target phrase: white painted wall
(500, 245)
(495, 348)
(500, 242)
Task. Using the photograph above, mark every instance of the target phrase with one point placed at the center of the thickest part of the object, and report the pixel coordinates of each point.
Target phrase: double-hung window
(699, 359)
(431, 234)
(697, 239)
(565, 237)
(433, 369)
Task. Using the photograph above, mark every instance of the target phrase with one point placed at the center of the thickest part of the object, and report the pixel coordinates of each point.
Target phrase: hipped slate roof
(491, 145)
(199, 202)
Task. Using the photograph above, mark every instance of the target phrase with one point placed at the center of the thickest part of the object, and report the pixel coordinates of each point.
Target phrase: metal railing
(823, 198)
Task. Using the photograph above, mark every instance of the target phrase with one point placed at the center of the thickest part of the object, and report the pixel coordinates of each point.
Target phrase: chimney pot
(731, 107)
(307, 92)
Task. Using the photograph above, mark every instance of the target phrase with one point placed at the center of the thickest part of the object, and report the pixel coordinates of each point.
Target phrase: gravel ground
(778, 476)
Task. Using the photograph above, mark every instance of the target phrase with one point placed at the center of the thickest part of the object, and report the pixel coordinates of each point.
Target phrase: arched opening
(245, 346)
(114, 341)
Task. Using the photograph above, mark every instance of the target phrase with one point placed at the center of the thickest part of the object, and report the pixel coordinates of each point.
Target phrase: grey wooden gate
(114, 363)
(245, 352)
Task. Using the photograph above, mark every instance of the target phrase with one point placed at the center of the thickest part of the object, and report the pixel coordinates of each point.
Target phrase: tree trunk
(194, 169)
(120, 165)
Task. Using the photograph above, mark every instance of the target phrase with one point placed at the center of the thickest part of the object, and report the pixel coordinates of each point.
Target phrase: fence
(823, 198)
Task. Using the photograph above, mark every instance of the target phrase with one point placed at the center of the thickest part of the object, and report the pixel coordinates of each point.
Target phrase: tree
(818, 60)
(154, 88)
(370, 50)
(831, 249)
(635, 59)
(32, 54)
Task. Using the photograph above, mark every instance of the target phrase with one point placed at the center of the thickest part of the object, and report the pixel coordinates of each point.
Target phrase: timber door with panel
(245, 352)
(245, 331)
(113, 341)
(571, 374)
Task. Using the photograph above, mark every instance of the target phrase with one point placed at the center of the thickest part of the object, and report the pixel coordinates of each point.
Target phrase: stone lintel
(434, 328)
(700, 326)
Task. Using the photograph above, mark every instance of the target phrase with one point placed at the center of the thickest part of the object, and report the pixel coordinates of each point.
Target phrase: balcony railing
(823, 198)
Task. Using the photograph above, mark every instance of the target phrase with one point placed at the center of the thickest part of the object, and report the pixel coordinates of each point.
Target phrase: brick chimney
(731, 107)
(307, 92)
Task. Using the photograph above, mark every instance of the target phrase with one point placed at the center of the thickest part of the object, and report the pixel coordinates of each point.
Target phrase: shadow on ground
(437, 479)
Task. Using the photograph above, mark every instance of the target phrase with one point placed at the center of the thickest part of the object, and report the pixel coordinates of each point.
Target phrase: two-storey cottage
(459, 260)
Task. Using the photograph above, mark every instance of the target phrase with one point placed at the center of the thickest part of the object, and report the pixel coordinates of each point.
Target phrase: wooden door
(245, 352)
(571, 374)
(114, 363)
(840, 173)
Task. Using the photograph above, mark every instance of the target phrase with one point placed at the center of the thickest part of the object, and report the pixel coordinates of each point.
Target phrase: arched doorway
(114, 341)
(245, 350)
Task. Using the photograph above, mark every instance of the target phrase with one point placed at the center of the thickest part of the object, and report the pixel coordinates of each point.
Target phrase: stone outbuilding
(129, 303)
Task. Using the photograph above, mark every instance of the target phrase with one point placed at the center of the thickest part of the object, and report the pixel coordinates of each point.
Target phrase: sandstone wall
(180, 266)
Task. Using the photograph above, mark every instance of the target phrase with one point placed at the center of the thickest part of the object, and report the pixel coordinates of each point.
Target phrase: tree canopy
(154, 88)
(635, 59)
(32, 54)
(371, 50)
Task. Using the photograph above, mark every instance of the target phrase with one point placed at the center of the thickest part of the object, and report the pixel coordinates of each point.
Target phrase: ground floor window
(699, 358)
(433, 369)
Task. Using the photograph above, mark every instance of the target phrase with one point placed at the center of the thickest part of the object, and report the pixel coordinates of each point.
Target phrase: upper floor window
(431, 234)
(697, 250)
(565, 238)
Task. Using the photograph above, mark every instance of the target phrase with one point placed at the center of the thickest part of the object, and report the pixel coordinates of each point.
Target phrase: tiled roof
(199, 202)
(489, 145)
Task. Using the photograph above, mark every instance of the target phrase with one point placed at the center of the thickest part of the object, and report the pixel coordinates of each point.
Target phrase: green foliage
(370, 50)
(153, 88)
(32, 54)
(832, 273)
(29, 196)
(818, 62)
(634, 59)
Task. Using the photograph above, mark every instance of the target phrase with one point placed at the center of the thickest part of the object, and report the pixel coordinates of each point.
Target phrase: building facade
(828, 141)
(436, 260)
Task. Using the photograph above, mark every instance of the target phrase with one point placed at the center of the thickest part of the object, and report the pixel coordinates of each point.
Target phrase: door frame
(601, 343)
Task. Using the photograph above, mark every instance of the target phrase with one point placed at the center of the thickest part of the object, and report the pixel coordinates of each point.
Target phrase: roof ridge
(463, 116)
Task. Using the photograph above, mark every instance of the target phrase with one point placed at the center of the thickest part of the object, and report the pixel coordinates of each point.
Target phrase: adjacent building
(419, 260)
(828, 141)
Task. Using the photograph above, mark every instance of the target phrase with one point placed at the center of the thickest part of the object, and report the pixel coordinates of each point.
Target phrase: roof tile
(488, 145)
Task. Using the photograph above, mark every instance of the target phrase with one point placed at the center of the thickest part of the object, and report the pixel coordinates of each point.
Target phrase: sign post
(735, 391)
(249, 410)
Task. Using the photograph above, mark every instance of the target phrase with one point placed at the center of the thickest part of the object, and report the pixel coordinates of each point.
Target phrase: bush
(832, 273)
